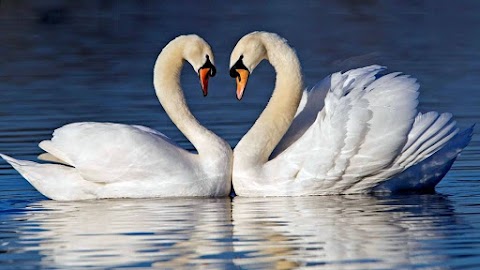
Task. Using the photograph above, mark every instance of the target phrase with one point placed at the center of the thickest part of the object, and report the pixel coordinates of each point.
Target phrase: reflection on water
(68, 61)
(163, 233)
(340, 232)
(331, 232)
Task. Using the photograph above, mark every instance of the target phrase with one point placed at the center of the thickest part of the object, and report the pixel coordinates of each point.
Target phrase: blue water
(65, 62)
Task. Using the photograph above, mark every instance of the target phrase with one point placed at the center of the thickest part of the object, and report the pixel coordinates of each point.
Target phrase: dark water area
(63, 62)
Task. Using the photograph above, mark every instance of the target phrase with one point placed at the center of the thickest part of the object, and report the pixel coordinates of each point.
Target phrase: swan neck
(260, 141)
(166, 76)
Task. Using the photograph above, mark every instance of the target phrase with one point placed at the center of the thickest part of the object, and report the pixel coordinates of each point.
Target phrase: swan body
(354, 132)
(107, 160)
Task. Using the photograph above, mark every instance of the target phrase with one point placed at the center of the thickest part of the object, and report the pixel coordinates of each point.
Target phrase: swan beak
(241, 79)
(204, 74)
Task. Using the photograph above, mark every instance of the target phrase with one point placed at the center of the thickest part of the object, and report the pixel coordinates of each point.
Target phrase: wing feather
(108, 152)
(431, 134)
(360, 130)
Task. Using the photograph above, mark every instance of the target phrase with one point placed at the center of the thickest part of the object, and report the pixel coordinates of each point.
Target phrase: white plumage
(106, 160)
(352, 133)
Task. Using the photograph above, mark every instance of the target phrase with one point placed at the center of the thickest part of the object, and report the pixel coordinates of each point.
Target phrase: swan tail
(426, 174)
(55, 181)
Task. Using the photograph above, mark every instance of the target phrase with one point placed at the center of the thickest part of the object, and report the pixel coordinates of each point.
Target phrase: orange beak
(204, 74)
(241, 80)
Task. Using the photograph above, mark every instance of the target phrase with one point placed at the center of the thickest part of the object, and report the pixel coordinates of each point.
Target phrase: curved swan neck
(259, 142)
(166, 80)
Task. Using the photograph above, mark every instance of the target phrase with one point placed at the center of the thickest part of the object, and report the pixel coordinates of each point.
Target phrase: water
(324, 232)
(63, 62)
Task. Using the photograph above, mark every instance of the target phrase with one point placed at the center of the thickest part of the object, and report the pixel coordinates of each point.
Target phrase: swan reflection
(345, 231)
(325, 232)
(166, 233)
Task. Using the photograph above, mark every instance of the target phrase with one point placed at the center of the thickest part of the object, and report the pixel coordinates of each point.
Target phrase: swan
(354, 132)
(108, 160)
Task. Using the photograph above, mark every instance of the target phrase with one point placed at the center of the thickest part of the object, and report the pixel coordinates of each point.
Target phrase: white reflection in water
(162, 233)
(350, 232)
(325, 232)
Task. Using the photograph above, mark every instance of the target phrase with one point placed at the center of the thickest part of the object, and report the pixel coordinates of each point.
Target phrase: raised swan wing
(360, 131)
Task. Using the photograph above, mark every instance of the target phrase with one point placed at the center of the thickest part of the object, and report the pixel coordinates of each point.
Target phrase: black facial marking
(238, 65)
(209, 65)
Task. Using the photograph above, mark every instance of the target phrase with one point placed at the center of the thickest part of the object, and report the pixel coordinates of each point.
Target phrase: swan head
(247, 54)
(198, 53)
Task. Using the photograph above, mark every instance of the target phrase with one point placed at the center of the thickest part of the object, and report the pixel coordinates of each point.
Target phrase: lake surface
(65, 62)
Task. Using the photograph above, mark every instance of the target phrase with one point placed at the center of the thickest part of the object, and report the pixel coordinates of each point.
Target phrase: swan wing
(311, 104)
(432, 146)
(108, 152)
(427, 172)
(156, 132)
(361, 129)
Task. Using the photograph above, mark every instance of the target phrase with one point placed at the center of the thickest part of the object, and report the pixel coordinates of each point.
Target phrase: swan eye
(234, 73)
(238, 65)
(210, 66)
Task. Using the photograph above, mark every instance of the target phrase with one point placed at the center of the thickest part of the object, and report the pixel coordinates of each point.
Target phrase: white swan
(106, 160)
(354, 132)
